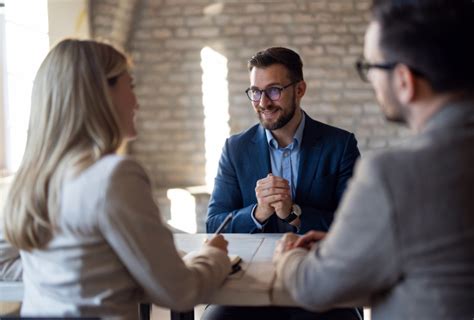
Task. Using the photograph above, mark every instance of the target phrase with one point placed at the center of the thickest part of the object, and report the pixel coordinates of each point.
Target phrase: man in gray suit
(402, 240)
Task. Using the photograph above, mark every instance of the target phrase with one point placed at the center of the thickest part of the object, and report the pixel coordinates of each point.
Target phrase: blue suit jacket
(327, 160)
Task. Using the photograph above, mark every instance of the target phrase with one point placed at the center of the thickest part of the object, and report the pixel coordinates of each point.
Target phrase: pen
(224, 223)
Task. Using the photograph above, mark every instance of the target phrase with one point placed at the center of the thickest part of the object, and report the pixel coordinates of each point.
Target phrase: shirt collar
(297, 138)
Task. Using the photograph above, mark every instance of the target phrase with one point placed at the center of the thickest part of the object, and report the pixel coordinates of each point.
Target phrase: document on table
(243, 247)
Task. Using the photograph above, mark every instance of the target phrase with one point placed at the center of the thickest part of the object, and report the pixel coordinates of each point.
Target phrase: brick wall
(165, 43)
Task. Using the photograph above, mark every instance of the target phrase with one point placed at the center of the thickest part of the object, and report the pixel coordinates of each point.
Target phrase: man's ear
(300, 89)
(404, 84)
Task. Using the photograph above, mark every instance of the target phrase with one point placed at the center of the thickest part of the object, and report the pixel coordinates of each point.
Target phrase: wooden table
(254, 285)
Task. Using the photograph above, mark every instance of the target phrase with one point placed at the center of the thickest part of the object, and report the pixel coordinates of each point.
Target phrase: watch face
(296, 209)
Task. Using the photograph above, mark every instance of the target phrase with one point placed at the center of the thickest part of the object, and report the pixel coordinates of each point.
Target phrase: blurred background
(190, 71)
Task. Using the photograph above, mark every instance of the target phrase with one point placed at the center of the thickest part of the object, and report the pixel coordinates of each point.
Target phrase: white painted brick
(162, 33)
(284, 18)
(166, 45)
(340, 6)
(205, 32)
(302, 40)
(255, 8)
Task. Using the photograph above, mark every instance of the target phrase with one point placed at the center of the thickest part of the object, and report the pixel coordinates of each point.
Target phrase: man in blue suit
(287, 173)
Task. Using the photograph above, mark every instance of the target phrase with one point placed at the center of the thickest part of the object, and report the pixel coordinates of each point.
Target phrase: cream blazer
(111, 251)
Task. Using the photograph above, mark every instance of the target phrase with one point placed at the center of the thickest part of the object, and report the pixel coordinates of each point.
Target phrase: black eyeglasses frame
(264, 91)
(363, 67)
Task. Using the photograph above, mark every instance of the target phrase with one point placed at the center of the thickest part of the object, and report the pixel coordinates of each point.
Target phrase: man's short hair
(433, 37)
(279, 55)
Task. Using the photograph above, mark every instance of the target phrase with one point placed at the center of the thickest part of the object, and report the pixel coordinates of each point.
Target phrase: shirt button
(285, 154)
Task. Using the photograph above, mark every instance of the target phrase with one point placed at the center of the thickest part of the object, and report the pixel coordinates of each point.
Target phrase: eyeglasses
(272, 93)
(363, 67)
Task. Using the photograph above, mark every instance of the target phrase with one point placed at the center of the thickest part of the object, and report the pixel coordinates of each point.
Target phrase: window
(215, 99)
(2, 73)
(23, 45)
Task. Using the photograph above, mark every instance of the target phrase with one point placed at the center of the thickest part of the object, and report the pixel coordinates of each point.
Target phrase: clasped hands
(273, 196)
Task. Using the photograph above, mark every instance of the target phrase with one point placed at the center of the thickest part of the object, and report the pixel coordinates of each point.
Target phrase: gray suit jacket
(403, 238)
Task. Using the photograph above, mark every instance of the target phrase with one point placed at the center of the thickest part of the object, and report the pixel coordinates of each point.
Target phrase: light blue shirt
(285, 160)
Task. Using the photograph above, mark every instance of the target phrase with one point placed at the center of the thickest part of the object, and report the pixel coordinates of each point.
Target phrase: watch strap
(292, 216)
(295, 213)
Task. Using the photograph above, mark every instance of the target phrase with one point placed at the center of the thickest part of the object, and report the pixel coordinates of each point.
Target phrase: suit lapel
(260, 154)
(310, 153)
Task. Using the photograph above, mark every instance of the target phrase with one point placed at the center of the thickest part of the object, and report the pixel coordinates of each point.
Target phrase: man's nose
(264, 100)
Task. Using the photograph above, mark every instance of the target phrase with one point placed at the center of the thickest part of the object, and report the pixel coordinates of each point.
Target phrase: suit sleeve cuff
(287, 265)
(258, 224)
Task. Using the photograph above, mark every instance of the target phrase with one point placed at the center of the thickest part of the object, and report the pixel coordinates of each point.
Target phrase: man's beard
(282, 120)
(390, 103)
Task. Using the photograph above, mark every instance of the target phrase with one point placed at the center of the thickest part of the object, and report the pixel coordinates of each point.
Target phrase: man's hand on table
(290, 241)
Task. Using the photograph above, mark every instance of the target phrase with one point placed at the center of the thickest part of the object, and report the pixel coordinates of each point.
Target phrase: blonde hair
(72, 124)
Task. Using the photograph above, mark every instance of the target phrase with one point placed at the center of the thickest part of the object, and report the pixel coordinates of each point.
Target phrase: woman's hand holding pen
(218, 241)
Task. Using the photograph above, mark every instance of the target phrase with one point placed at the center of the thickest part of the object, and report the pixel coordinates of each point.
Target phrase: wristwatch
(295, 213)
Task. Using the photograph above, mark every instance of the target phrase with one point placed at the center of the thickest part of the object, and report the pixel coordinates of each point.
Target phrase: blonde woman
(91, 238)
